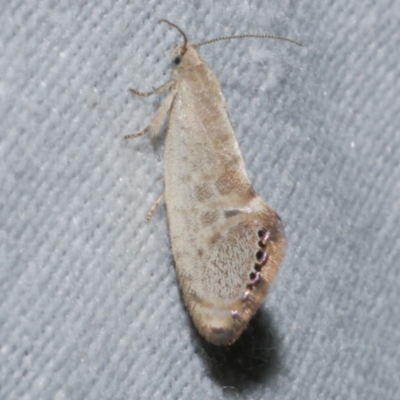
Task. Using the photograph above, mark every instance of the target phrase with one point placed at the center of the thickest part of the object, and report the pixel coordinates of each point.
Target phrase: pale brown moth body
(227, 243)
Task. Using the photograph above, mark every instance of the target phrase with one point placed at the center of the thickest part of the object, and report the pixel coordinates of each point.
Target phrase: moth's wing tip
(222, 336)
(221, 327)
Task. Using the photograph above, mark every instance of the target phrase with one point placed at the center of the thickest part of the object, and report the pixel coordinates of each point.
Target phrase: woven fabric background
(89, 303)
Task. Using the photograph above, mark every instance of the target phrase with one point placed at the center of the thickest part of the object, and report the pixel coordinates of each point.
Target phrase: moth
(227, 243)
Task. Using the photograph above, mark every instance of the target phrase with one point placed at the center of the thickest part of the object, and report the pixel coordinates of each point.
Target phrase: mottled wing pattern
(224, 275)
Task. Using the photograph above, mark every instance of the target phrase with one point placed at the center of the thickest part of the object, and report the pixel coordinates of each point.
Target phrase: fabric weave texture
(89, 303)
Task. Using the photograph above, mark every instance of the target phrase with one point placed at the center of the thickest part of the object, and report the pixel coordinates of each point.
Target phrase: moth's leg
(160, 89)
(160, 116)
(154, 207)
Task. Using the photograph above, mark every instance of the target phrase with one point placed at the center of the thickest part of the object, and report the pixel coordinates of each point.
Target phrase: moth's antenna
(247, 36)
(185, 40)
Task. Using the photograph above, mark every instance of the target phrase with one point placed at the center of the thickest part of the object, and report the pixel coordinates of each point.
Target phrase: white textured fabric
(89, 303)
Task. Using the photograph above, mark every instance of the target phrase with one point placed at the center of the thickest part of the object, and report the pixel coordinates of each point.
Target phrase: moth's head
(184, 56)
